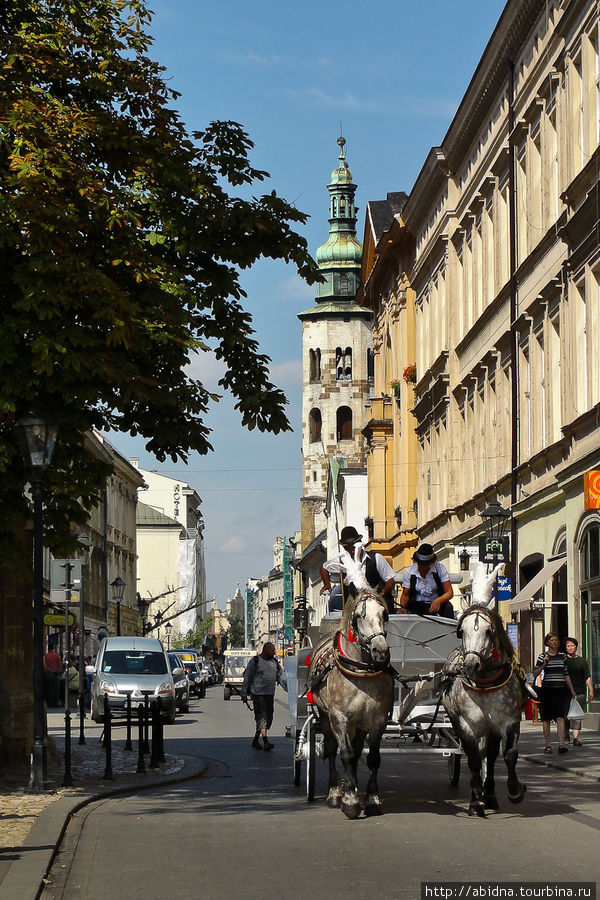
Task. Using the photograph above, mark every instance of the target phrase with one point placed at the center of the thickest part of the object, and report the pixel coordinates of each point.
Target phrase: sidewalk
(32, 825)
(582, 761)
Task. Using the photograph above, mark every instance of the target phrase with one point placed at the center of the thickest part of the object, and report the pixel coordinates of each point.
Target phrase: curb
(554, 765)
(26, 876)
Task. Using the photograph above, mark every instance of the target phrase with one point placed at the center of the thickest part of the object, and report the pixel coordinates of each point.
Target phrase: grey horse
(351, 686)
(483, 695)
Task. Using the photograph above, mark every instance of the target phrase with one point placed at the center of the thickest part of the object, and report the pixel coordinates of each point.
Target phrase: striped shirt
(556, 669)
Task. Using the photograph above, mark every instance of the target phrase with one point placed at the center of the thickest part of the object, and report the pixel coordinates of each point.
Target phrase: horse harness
(335, 657)
(504, 673)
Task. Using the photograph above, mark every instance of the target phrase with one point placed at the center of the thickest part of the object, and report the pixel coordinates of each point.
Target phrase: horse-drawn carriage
(407, 682)
(418, 723)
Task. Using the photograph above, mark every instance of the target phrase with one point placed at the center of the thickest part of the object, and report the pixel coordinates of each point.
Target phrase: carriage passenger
(426, 587)
(376, 570)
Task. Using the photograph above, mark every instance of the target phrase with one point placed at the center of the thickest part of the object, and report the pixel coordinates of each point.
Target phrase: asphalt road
(243, 830)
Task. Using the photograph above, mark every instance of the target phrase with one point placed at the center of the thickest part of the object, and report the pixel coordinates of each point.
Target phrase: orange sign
(592, 489)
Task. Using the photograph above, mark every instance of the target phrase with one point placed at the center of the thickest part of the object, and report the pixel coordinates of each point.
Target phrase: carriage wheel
(454, 768)
(311, 762)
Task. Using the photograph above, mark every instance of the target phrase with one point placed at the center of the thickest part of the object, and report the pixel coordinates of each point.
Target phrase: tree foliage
(121, 246)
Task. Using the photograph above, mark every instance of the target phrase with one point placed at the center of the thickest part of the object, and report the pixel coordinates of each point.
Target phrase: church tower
(337, 356)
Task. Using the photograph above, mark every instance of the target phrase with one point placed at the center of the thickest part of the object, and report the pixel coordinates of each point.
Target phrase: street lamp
(118, 589)
(143, 608)
(464, 559)
(496, 519)
(85, 542)
(38, 435)
(168, 629)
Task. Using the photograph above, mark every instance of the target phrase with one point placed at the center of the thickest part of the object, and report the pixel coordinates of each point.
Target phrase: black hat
(349, 535)
(424, 554)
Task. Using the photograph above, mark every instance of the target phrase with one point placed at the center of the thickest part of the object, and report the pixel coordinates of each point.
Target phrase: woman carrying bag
(556, 686)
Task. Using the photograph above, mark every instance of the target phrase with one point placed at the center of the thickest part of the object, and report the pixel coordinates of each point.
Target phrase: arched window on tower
(344, 285)
(339, 364)
(333, 207)
(342, 206)
(314, 425)
(315, 365)
(370, 365)
(348, 364)
(344, 423)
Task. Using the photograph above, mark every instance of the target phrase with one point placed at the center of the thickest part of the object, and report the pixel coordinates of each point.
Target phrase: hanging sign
(493, 550)
(57, 619)
(591, 483)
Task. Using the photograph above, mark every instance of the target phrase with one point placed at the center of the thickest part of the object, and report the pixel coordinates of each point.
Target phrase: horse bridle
(364, 643)
(477, 610)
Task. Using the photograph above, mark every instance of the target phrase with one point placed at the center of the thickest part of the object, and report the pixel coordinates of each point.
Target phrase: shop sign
(57, 619)
(591, 481)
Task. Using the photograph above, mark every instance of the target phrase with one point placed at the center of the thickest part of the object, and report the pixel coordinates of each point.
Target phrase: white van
(136, 665)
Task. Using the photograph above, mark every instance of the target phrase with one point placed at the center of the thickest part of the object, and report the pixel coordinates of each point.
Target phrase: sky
(391, 75)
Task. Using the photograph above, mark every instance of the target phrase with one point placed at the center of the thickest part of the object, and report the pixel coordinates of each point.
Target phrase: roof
(147, 515)
(336, 307)
(382, 212)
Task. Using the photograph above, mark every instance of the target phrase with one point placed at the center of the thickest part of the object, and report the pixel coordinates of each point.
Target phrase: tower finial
(341, 142)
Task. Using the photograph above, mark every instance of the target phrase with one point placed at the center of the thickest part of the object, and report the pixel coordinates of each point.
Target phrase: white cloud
(250, 58)
(204, 367)
(235, 544)
(411, 107)
(294, 289)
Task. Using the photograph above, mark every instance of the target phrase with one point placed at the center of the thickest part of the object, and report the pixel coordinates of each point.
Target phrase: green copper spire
(339, 258)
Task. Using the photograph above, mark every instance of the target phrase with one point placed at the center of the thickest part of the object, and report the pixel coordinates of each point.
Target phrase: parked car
(135, 665)
(197, 678)
(182, 682)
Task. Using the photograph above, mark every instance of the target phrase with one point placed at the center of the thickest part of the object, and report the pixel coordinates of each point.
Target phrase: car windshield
(131, 662)
(235, 663)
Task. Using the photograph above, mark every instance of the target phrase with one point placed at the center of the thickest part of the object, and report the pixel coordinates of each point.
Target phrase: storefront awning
(523, 598)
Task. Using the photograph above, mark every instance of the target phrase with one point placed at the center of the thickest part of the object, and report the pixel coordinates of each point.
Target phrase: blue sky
(393, 74)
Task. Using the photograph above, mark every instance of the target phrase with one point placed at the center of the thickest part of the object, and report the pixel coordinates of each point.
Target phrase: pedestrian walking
(556, 689)
(579, 674)
(263, 673)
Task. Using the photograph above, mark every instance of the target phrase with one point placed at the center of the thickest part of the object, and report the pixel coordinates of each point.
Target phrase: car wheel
(203, 692)
(226, 692)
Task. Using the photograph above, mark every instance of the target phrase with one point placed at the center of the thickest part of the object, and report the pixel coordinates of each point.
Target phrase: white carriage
(419, 647)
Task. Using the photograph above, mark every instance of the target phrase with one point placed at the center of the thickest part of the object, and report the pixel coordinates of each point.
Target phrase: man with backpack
(426, 587)
(263, 673)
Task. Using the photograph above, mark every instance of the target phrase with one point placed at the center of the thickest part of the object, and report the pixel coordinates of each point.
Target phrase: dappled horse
(351, 685)
(483, 694)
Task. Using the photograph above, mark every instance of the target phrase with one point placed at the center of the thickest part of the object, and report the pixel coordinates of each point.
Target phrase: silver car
(136, 665)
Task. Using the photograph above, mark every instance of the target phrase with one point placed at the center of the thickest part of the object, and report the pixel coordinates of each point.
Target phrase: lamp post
(168, 629)
(85, 542)
(118, 589)
(496, 519)
(143, 608)
(38, 433)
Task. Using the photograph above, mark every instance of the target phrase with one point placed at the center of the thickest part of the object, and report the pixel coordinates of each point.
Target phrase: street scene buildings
(451, 360)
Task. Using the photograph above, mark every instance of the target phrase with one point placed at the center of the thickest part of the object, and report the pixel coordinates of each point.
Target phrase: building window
(348, 364)
(339, 364)
(344, 285)
(589, 550)
(315, 365)
(314, 425)
(370, 365)
(344, 423)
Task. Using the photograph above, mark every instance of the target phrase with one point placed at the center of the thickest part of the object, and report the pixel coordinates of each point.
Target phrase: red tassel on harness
(351, 638)
(309, 698)
(495, 653)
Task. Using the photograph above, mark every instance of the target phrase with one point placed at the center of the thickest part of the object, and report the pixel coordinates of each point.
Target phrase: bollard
(154, 760)
(146, 722)
(161, 733)
(67, 780)
(81, 718)
(128, 744)
(107, 741)
(141, 768)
